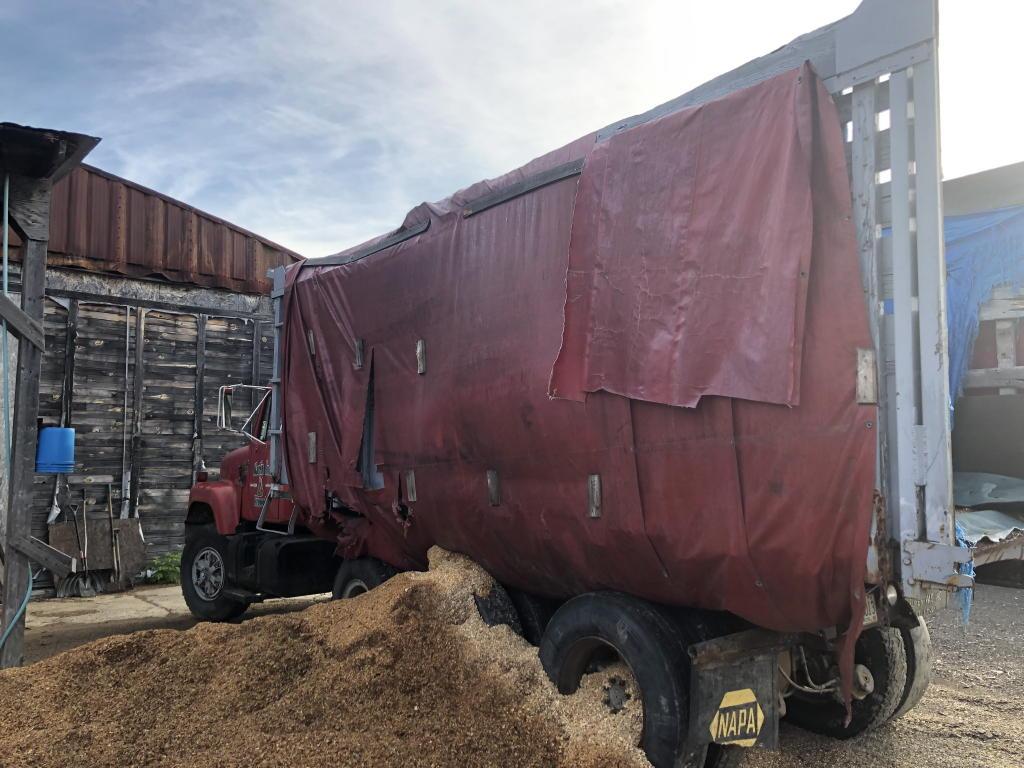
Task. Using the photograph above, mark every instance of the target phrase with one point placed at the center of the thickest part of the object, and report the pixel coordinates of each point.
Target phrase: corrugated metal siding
(101, 222)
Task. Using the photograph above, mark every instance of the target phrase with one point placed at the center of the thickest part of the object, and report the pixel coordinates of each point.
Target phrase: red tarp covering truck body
(639, 377)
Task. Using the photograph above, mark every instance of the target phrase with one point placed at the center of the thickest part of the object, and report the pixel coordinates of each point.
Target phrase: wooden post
(1006, 339)
(33, 159)
(257, 333)
(199, 400)
(138, 380)
(30, 211)
(70, 339)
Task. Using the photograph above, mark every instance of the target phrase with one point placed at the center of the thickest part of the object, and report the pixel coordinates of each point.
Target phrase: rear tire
(356, 577)
(649, 644)
(880, 649)
(496, 608)
(917, 644)
(204, 576)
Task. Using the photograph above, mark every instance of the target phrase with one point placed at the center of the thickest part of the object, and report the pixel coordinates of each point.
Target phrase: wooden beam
(198, 400)
(90, 479)
(29, 208)
(168, 306)
(138, 379)
(995, 378)
(70, 340)
(1006, 338)
(1006, 349)
(17, 581)
(1004, 308)
(21, 325)
(56, 562)
(71, 283)
(126, 468)
(254, 396)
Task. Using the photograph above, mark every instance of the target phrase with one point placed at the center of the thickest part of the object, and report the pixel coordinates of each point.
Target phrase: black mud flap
(734, 697)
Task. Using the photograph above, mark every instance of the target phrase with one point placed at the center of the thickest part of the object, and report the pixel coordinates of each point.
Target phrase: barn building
(151, 305)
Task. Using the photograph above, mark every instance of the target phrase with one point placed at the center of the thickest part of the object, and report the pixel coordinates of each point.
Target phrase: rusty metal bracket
(929, 562)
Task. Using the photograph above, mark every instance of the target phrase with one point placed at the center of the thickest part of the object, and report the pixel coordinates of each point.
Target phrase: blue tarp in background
(983, 250)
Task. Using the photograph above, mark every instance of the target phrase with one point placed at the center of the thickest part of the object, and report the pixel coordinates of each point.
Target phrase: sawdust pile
(406, 675)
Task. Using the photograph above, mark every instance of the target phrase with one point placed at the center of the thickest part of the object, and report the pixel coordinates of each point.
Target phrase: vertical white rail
(865, 209)
(903, 308)
(935, 403)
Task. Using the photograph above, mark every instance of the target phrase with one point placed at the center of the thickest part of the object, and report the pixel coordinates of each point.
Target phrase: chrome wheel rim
(208, 574)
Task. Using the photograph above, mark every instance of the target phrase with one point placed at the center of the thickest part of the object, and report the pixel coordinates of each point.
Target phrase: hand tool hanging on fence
(69, 585)
(87, 589)
(82, 583)
(78, 534)
(115, 548)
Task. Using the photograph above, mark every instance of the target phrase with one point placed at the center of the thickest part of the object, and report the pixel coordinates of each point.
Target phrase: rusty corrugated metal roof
(103, 223)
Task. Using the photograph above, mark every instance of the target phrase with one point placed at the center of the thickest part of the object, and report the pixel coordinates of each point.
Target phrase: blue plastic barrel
(55, 452)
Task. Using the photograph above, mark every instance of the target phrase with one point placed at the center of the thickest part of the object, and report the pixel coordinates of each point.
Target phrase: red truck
(679, 386)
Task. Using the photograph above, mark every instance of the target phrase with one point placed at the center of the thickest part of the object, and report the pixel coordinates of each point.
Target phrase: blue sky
(319, 123)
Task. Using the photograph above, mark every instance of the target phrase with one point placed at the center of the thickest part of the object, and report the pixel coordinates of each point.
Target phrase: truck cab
(242, 542)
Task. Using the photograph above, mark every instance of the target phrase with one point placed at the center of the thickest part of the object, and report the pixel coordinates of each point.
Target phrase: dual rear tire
(652, 643)
(899, 661)
(880, 650)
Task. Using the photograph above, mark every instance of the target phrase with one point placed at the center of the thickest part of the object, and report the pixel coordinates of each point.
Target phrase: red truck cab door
(257, 480)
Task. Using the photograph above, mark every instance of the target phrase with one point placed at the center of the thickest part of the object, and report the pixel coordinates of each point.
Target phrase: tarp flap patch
(691, 248)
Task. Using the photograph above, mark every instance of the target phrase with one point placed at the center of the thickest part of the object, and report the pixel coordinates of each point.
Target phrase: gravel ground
(971, 716)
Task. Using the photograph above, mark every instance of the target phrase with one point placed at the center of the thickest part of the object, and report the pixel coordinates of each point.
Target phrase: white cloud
(320, 123)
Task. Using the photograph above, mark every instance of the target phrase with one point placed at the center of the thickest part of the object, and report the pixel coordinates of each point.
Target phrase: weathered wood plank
(71, 341)
(1011, 378)
(197, 397)
(139, 379)
(29, 207)
(1002, 309)
(23, 453)
(1006, 349)
(21, 325)
(55, 561)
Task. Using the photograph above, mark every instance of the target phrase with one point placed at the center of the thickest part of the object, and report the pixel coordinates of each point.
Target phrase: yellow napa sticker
(738, 720)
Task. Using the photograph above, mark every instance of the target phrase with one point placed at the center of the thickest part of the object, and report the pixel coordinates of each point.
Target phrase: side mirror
(224, 409)
(246, 421)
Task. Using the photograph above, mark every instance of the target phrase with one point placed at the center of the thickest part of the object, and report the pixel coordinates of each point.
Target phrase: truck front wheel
(204, 576)
(644, 659)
